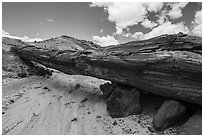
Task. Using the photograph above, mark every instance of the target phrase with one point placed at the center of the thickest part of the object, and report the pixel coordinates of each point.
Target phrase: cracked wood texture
(167, 65)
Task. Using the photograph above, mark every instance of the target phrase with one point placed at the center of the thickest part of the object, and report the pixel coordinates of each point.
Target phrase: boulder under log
(124, 101)
(170, 113)
(167, 65)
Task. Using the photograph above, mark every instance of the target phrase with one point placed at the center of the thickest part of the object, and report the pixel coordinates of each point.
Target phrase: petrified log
(167, 65)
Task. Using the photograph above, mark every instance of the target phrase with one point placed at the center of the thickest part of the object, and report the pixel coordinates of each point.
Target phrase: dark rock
(115, 123)
(22, 75)
(124, 101)
(193, 126)
(48, 72)
(45, 87)
(106, 88)
(84, 100)
(77, 86)
(98, 116)
(74, 119)
(180, 34)
(150, 129)
(42, 71)
(170, 113)
(11, 100)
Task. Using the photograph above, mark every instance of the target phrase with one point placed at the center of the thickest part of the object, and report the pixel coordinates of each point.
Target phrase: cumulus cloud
(154, 6)
(105, 40)
(123, 14)
(166, 28)
(197, 30)
(162, 18)
(24, 38)
(128, 14)
(148, 24)
(137, 35)
(176, 11)
(101, 4)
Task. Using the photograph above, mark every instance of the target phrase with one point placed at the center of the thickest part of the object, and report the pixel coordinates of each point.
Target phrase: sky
(101, 22)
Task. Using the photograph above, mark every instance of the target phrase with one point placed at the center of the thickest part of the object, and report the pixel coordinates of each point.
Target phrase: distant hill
(7, 43)
(66, 43)
(12, 66)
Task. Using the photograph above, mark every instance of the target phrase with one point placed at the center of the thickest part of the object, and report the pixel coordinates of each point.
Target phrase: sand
(66, 104)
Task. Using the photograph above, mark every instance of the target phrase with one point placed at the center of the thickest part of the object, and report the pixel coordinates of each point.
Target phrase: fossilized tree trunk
(168, 65)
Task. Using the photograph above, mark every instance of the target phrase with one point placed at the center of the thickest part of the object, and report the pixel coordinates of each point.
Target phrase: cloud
(4, 33)
(123, 14)
(162, 18)
(105, 40)
(50, 20)
(166, 28)
(176, 11)
(154, 6)
(101, 31)
(173, 11)
(129, 14)
(24, 38)
(137, 35)
(197, 23)
(148, 24)
(101, 4)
